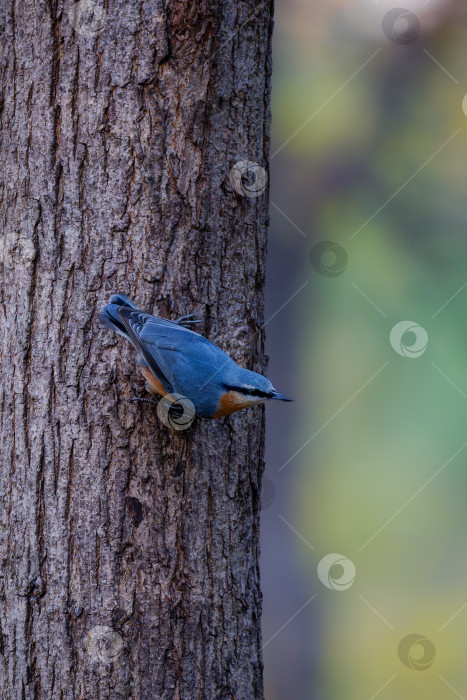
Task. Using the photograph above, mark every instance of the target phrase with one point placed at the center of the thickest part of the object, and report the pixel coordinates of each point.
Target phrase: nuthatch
(176, 360)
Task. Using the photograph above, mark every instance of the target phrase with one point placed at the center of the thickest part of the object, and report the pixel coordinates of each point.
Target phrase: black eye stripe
(249, 392)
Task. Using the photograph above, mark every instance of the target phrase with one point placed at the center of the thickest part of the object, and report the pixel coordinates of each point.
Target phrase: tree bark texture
(128, 551)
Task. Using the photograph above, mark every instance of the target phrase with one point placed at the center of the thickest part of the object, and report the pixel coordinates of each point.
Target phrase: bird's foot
(183, 320)
(137, 399)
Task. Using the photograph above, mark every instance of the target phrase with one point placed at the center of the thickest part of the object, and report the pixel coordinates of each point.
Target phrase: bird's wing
(177, 356)
(134, 321)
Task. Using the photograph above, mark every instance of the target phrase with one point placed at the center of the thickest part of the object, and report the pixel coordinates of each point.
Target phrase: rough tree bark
(115, 154)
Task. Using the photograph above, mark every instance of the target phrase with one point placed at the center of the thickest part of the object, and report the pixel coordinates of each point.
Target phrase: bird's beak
(280, 397)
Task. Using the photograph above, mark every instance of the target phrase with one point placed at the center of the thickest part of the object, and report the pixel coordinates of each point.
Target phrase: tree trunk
(128, 551)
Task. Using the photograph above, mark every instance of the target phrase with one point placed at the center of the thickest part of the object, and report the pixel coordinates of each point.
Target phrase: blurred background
(368, 230)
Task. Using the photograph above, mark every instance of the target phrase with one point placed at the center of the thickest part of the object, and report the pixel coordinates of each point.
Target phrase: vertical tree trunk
(128, 552)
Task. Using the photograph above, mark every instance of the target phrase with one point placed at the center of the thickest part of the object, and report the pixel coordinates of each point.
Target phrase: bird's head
(252, 388)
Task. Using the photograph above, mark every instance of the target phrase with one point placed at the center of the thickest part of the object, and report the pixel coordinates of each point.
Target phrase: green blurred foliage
(375, 463)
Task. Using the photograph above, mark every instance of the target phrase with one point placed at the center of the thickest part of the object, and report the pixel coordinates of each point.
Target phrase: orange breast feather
(154, 384)
(230, 402)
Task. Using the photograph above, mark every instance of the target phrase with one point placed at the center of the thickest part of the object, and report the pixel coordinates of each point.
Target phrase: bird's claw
(183, 320)
(137, 399)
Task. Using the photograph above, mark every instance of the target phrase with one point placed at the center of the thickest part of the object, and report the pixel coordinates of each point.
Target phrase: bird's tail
(108, 315)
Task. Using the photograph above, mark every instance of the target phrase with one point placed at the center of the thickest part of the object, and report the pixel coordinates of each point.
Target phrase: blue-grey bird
(176, 360)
